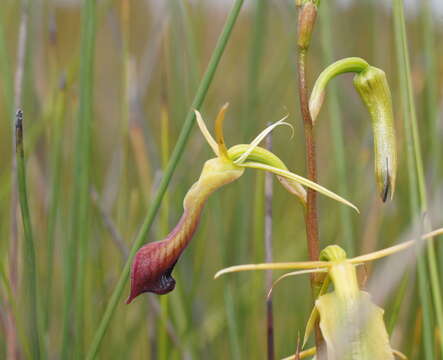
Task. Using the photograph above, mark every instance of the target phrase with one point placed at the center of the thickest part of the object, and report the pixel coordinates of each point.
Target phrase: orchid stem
(311, 220)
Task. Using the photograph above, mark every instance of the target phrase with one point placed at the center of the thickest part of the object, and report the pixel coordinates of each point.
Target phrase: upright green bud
(373, 88)
(306, 22)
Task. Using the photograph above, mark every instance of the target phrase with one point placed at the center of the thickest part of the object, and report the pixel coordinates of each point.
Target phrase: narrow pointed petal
(308, 183)
(274, 266)
(294, 273)
(260, 137)
(394, 249)
(206, 134)
(222, 150)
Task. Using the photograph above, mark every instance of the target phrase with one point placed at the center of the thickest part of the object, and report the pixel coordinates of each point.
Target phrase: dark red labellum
(151, 270)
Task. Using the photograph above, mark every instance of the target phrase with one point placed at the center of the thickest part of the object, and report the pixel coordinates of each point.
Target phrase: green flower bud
(373, 88)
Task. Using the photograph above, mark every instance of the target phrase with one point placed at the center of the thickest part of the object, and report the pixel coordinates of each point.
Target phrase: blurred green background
(149, 59)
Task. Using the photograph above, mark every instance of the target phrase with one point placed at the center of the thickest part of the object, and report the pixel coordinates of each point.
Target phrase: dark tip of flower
(151, 271)
(387, 183)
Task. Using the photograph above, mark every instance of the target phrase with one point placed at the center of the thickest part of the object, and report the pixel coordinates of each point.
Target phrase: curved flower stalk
(351, 324)
(153, 264)
(372, 86)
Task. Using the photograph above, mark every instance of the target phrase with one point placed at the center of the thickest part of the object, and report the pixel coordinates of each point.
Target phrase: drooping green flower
(372, 85)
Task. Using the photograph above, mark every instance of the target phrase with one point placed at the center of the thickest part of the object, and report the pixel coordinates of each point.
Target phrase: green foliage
(97, 85)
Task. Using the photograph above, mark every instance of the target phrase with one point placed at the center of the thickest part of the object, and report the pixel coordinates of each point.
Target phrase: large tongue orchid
(153, 264)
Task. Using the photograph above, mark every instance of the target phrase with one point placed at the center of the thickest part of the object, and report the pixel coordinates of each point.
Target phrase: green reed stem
(5, 70)
(401, 39)
(30, 268)
(54, 198)
(336, 114)
(56, 115)
(431, 93)
(175, 157)
(78, 241)
(164, 228)
(431, 98)
(255, 61)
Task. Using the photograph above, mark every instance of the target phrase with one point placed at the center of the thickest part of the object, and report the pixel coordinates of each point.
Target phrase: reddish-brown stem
(311, 162)
(311, 220)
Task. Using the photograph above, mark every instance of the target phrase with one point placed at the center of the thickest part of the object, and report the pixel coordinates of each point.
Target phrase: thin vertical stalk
(255, 60)
(335, 114)
(175, 157)
(431, 98)
(311, 220)
(400, 29)
(18, 101)
(16, 195)
(57, 114)
(413, 193)
(5, 69)
(78, 241)
(54, 200)
(268, 255)
(311, 159)
(431, 93)
(232, 320)
(306, 27)
(30, 267)
(164, 228)
(8, 94)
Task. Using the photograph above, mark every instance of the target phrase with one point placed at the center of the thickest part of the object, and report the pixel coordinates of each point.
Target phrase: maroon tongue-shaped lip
(151, 270)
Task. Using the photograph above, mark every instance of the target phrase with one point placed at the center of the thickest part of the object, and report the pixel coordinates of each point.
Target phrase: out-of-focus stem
(11, 331)
(30, 265)
(164, 225)
(268, 255)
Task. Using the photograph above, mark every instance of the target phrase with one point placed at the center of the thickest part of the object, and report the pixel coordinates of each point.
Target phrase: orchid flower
(351, 324)
(153, 263)
(372, 85)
